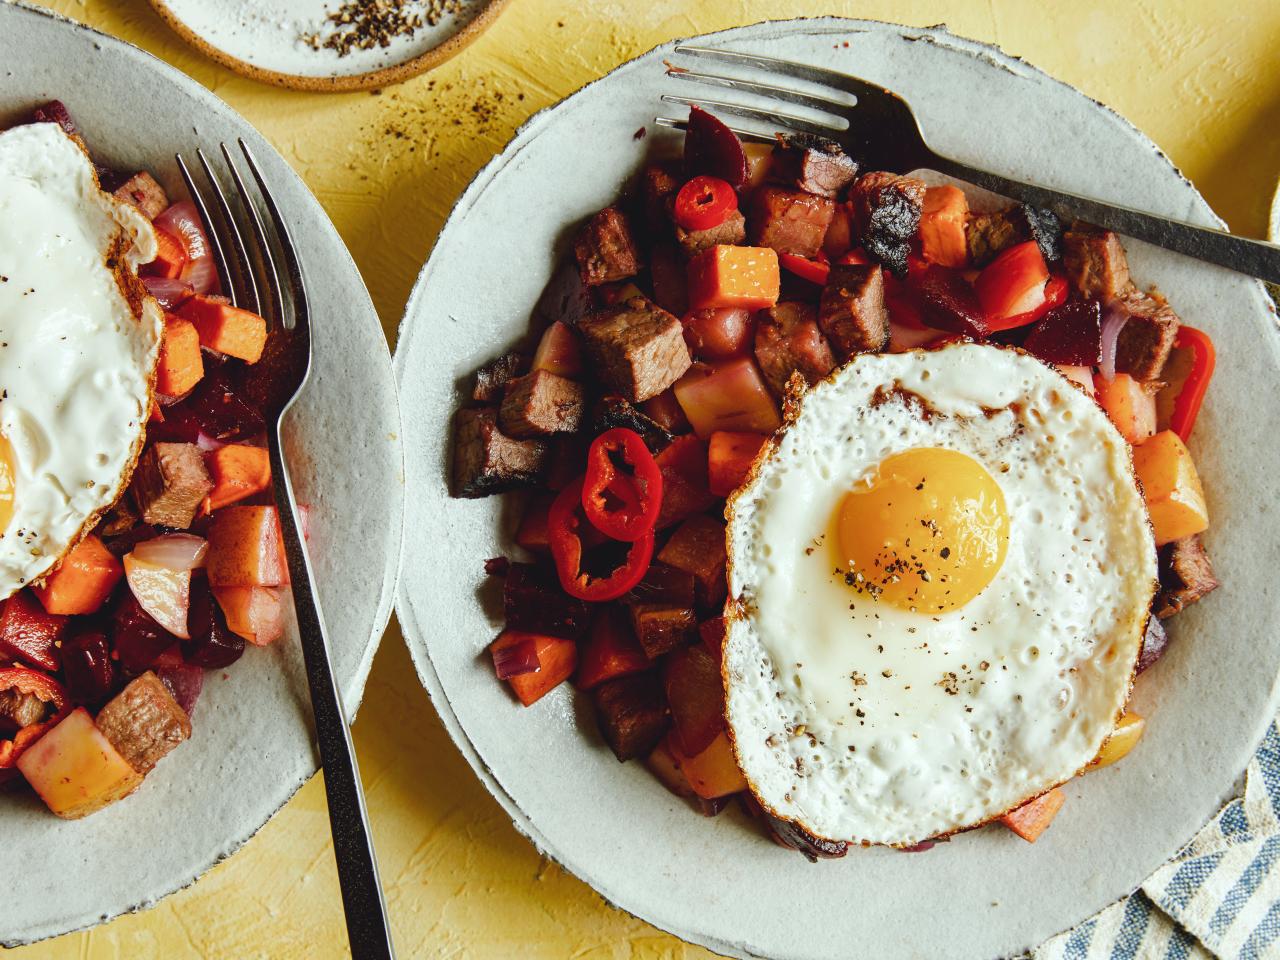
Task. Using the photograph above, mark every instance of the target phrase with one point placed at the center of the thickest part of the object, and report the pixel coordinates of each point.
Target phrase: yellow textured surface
(1201, 79)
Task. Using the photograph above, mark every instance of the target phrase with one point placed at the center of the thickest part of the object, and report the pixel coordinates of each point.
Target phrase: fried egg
(940, 572)
(79, 340)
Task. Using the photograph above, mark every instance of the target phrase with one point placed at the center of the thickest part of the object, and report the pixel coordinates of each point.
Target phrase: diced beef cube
(1186, 576)
(169, 484)
(661, 628)
(670, 278)
(565, 298)
(731, 233)
(144, 723)
(493, 377)
(606, 249)
(145, 193)
(658, 188)
(1146, 339)
(987, 234)
(539, 404)
(534, 602)
(698, 547)
(790, 221)
(789, 341)
(1096, 264)
(637, 347)
(119, 519)
(18, 710)
(613, 412)
(633, 714)
(1044, 227)
(852, 312)
(815, 164)
(486, 461)
(886, 211)
(1155, 640)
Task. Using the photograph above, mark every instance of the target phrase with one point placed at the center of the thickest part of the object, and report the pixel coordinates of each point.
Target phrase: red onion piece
(516, 659)
(173, 551)
(208, 443)
(183, 222)
(168, 291)
(711, 148)
(1113, 322)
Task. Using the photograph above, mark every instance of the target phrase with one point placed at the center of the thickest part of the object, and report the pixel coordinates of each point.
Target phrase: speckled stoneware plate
(721, 882)
(295, 43)
(252, 742)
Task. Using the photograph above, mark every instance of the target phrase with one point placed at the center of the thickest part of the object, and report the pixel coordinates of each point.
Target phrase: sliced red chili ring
(1186, 407)
(622, 489)
(565, 523)
(705, 202)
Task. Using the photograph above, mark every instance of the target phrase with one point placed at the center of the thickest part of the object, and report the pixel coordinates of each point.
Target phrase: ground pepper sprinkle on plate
(365, 24)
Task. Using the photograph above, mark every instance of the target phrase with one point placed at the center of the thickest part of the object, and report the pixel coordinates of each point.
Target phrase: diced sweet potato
(1130, 404)
(611, 650)
(696, 695)
(633, 714)
(238, 471)
(180, 366)
(532, 532)
(728, 276)
(254, 613)
(728, 396)
(170, 259)
(246, 548)
(226, 329)
(729, 459)
(712, 773)
(1171, 485)
(698, 548)
(82, 581)
(942, 221)
(144, 723)
(556, 661)
(1123, 739)
(1032, 819)
(75, 769)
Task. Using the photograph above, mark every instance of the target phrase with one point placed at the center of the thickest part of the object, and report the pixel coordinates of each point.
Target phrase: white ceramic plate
(720, 882)
(251, 748)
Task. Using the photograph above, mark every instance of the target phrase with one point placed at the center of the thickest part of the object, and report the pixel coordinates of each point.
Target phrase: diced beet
(666, 585)
(29, 634)
(696, 694)
(565, 299)
(184, 681)
(949, 302)
(662, 627)
(632, 713)
(268, 384)
(711, 148)
(212, 408)
(720, 333)
(497, 566)
(55, 111)
(712, 633)
(87, 668)
(212, 644)
(684, 480)
(611, 651)
(534, 602)
(136, 636)
(1071, 334)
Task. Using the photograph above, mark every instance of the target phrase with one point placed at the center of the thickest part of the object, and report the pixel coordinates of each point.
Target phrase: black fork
(261, 273)
(878, 129)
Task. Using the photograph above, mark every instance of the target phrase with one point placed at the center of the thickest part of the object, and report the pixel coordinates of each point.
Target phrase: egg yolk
(6, 483)
(926, 532)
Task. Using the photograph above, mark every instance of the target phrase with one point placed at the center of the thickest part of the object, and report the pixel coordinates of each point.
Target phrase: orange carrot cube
(725, 276)
(557, 659)
(942, 239)
(238, 471)
(1171, 485)
(1032, 819)
(1130, 403)
(729, 459)
(171, 257)
(226, 329)
(82, 581)
(181, 366)
(246, 548)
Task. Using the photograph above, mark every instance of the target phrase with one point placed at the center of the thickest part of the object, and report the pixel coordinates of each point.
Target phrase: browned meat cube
(1147, 337)
(119, 519)
(1095, 264)
(731, 233)
(661, 628)
(144, 193)
(606, 249)
(539, 404)
(788, 341)
(633, 714)
(486, 461)
(670, 278)
(698, 547)
(144, 723)
(886, 211)
(18, 710)
(613, 412)
(492, 378)
(987, 234)
(790, 221)
(852, 312)
(169, 483)
(1186, 576)
(658, 187)
(815, 164)
(637, 347)
(534, 601)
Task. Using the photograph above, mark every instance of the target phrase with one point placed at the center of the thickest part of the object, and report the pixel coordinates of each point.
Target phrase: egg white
(863, 722)
(78, 345)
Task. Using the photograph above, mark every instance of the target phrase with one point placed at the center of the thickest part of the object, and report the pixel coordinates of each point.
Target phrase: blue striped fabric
(1219, 898)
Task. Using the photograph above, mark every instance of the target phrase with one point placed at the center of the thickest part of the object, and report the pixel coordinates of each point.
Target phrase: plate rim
(368, 80)
(413, 632)
(395, 560)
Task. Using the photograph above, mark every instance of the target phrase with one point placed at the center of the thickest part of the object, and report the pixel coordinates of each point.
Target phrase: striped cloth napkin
(1218, 898)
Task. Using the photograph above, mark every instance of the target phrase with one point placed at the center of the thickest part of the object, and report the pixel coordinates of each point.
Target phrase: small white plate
(252, 743)
(721, 882)
(266, 40)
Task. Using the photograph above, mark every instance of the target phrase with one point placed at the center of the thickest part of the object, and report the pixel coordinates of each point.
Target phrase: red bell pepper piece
(622, 491)
(30, 635)
(812, 270)
(1055, 295)
(1012, 285)
(704, 202)
(565, 533)
(1186, 406)
(44, 688)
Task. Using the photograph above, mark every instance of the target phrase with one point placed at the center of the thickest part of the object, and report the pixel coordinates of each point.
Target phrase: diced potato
(1032, 819)
(246, 549)
(75, 769)
(663, 765)
(1130, 404)
(1083, 376)
(730, 396)
(1171, 486)
(1125, 737)
(713, 772)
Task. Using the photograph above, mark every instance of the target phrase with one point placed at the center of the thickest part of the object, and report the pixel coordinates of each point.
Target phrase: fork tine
(211, 231)
(760, 115)
(264, 262)
(801, 71)
(675, 124)
(761, 89)
(300, 316)
(249, 288)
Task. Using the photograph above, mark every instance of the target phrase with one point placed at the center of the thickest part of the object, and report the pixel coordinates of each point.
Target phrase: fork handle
(1252, 257)
(366, 911)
